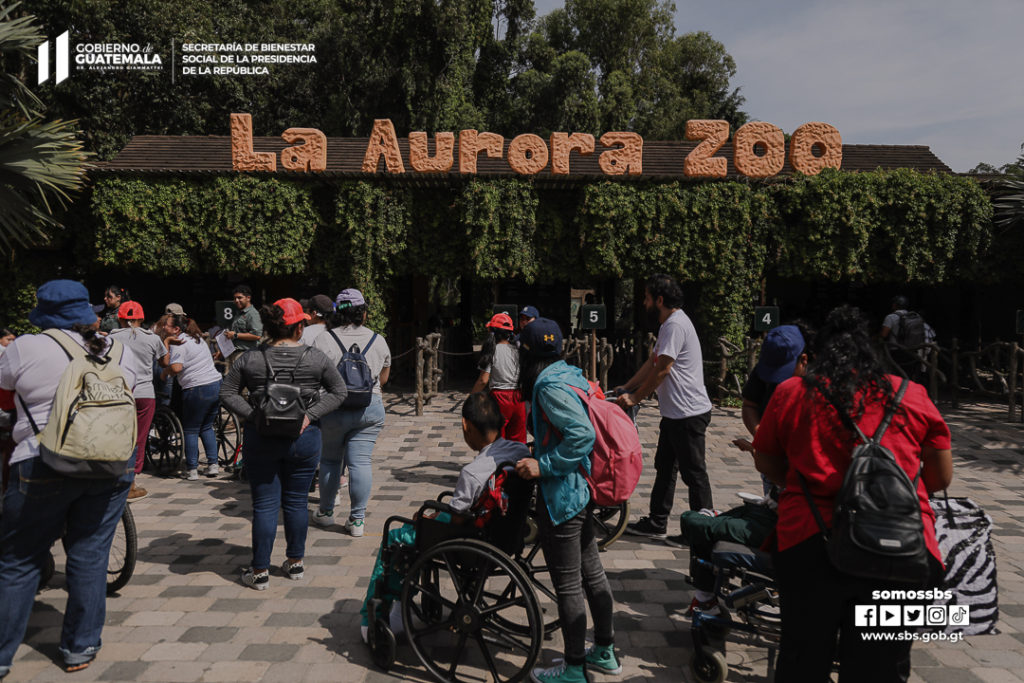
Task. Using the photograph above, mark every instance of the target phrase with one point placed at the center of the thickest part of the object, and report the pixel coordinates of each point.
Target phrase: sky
(940, 73)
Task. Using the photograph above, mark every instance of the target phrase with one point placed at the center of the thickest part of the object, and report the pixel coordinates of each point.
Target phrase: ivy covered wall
(887, 226)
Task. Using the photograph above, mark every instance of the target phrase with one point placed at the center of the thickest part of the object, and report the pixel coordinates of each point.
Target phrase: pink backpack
(617, 461)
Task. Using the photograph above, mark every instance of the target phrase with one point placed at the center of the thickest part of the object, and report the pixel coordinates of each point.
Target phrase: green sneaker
(603, 659)
(560, 673)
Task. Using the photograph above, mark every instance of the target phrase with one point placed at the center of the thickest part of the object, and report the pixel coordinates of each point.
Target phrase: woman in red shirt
(801, 434)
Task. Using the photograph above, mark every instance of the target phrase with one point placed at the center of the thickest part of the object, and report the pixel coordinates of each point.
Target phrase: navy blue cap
(61, 304)
(780, 352)
(529, 312)
(542, 338)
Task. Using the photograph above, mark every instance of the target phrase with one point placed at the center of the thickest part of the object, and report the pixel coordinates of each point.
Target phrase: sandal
(81, 666)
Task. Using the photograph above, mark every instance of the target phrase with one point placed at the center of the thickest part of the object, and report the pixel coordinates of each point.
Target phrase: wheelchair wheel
(708, 666)
(475, 584)
(121, 562)
(531, 561)
(229, 438)
(383, 645)
(609, 523)
(165, 445)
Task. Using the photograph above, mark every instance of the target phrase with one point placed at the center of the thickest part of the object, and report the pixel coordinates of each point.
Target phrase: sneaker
(710, 607)
(324, 519)
(213, 470)
(645, 527)
(559, 673)
(293, 570)
(677, 541)
(192, 475)
(364, 631)
(257, 580)
(354, 527)
(136, 493)
(602, 659)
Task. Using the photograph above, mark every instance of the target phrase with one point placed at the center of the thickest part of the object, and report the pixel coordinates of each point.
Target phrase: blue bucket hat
(779, 354)
(542, 338)
(61, 304)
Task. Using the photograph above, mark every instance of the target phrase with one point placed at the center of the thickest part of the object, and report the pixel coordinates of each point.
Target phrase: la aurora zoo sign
(759, 150)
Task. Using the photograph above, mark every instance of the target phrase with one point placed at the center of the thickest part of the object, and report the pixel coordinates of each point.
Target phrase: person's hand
(743, 445)
(626, 400)
(528, 468)
(305, 423)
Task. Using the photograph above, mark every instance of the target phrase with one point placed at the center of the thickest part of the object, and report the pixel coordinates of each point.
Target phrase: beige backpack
(92, 428)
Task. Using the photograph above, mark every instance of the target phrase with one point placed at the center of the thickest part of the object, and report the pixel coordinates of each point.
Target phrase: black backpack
(356, 373)
(280, 410)
(911, 332)
(877, 532)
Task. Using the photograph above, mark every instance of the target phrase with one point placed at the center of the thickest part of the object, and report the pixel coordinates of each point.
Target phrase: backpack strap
(337, 341)
(35, 427)
(877, 438)
(814, 507)
(370, 343)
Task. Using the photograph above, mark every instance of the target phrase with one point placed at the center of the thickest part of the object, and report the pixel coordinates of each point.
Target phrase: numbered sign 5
(765, 318)
(593, 317)
(225, 312)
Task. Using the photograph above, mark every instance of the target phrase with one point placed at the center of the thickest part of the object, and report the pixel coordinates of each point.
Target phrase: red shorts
(514, 411)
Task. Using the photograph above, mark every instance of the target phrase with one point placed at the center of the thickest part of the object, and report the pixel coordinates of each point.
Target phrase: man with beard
(676, 370)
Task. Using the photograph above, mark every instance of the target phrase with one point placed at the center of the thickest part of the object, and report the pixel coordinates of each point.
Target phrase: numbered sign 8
(225, 312)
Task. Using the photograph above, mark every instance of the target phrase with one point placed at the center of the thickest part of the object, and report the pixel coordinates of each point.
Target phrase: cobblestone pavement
(186, 617)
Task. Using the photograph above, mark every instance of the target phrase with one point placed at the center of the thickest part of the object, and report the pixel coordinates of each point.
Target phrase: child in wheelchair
(477, 494)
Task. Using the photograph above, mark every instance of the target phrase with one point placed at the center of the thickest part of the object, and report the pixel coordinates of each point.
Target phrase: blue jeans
(198, 411)
(280, 472)
(39, 507)
(349, 438)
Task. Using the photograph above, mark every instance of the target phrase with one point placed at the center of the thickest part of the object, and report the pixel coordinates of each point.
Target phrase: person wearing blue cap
(564, 440)
(783, 355)
(41, 505)
(527, 314)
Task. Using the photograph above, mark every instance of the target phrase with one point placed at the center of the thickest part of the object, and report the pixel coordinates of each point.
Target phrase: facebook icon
(865, 615)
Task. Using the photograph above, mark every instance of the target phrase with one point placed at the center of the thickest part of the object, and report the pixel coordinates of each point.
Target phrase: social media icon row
(911, 615)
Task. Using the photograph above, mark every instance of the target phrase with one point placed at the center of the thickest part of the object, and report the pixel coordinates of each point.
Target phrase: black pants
(818, 606)
(570, 551)
(680, 449)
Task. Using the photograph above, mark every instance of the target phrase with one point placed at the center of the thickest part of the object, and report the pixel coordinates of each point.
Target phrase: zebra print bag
(964, 533)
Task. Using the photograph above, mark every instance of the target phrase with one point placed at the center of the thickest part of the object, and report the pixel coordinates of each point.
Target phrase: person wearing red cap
(280, 469)
(148, 348)
(499, 372)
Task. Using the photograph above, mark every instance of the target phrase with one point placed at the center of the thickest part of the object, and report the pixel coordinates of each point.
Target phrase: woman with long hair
(192, 364)
(499, 372)
(113, 297)
(280, 468)
(802, 441)
(41, 505)
(564, 440)
(350, 434)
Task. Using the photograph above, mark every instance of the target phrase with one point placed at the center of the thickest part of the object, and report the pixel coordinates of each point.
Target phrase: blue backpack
(356, 373)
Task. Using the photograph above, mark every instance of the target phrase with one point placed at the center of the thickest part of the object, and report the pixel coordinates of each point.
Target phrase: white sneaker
(324, 519)
(364, 631)
(213, 470)
(354, 527)
(192, 475)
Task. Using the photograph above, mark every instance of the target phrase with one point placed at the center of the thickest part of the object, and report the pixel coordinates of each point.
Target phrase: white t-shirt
(504, 367)
(682, 393)
(378, 357)
(32, 367)
(311, 332)
(197, 368)
(147, 348)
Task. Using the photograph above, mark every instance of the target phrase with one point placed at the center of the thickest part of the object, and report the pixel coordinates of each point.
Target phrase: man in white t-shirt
(676, 370)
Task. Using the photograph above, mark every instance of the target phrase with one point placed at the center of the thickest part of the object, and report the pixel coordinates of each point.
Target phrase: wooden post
(954, 375)
(1013, 381)
(419, 375)
(593, 356)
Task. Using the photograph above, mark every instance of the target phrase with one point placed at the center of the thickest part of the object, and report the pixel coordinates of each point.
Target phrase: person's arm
(637, 379)
(566, 414)
(751, 414)
(658, 372)
(231, 392)
(937, 468)
(481, 382)
(769, 447)
(385, 375)
(772, 467)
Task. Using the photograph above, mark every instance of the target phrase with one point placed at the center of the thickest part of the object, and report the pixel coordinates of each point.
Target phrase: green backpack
(92, 429)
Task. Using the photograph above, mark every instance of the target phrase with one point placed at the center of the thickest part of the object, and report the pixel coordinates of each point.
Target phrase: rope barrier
(404, 353)
(466, 353)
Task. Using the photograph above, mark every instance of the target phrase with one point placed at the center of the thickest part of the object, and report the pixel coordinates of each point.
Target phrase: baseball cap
(529, 312)
(130, 310)
(293, 312)
(352, 297)
(780, 352)
(542, 338)
(174, 309)
(501, 321)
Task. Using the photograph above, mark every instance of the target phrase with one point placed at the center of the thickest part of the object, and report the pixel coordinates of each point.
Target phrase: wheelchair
(744, 586)
(165, 444)
(468, 606)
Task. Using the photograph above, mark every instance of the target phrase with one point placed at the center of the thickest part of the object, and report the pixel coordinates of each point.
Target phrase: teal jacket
(563, 441)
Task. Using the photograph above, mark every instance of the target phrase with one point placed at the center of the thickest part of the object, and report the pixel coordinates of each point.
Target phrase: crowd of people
(305, 380)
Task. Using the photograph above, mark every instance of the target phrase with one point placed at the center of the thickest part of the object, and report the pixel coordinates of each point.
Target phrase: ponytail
(95, 343)
(188, 326)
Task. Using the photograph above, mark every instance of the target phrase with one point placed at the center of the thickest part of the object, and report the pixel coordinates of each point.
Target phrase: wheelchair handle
(391, 520)
(436, 505)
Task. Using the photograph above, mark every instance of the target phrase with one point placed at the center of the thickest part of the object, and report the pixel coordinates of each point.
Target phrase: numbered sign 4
(765, 318)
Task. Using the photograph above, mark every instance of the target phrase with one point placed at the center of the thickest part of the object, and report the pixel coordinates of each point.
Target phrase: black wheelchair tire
(123, 553)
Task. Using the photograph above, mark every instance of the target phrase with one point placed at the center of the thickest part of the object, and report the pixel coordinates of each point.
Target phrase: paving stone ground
(186, 617)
